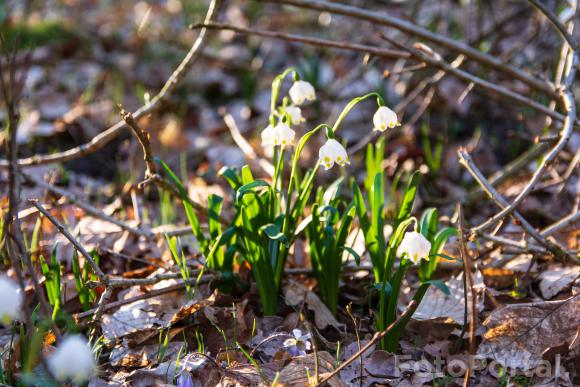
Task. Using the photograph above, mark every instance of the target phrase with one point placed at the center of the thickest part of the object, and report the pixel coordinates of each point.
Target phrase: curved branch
(112, 132)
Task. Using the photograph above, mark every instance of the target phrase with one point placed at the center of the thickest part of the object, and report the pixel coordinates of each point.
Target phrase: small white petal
(384, 118)
(302, 91)
(289, 342)
(72, 360)
(297, 333)
(332, 152)
(295, 114)
(268, 136)
(11, 300)
(415, 246)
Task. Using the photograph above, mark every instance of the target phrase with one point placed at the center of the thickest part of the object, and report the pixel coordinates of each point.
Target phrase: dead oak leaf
(296, 293)
(517, 335)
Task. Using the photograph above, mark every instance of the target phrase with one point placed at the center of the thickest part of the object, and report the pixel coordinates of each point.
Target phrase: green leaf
(439, 285)
(406, 207)
(249, 187)
(354, 254)
(331, 191)
(232, 177)
(274, 233)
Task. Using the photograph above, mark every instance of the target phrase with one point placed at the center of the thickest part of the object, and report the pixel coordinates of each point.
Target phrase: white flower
(385, 118)
(11, 300)
(72, 360)
(332, 152)
(298, 345)
(295, 114)
(302, 91)
(280, 134)
(415, 245)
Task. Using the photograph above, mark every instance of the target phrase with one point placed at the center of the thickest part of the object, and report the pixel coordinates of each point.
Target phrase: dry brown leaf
(557, 279)
(517, 335)
(296, 374)
(438, 305)
(296, 293)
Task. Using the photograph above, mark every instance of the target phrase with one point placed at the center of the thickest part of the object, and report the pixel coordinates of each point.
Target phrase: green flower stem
(352, 104)
(276, 84)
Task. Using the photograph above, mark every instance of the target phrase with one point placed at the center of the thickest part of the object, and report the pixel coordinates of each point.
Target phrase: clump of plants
(269, 215)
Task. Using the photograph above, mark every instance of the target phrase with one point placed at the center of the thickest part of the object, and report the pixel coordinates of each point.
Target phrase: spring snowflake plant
(269, 215)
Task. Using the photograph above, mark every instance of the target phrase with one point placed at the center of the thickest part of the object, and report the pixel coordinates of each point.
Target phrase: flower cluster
(332, 152)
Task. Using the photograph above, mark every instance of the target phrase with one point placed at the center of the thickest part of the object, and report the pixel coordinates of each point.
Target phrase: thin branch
(561, 28)
(377, 51)
(412, 29)
(569, 106)
(466, 160)
(102, 277)
(89, 208)
(112, 132)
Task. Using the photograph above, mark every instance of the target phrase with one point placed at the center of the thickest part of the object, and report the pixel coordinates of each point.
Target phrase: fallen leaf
(557, 279)
(517, 335)
(437, 305)
(296, 293)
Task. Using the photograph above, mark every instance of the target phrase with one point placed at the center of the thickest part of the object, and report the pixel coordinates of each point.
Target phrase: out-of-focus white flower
(280, 134)
(72, 360)
(295, 114)
(415, 245)
(333, 152)
(299, 344)
(302, 91)
(385, 118)
(11, 300)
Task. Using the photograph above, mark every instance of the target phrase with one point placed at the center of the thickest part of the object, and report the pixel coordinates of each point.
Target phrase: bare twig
(375, 339)
(467, 269)
(102, 277)
(112, 132)
(466, 160)
(412, 29)
(89, 208)
(265, 165)
(561, 28)
(377, 51)
(143, 138)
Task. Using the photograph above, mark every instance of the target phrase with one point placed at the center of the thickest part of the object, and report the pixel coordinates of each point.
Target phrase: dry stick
(412, 29)
(102, 277)
(560, 224)
(375, 339)
(566, 98)
(466, 160)
(151, 175)
(144, 296)
(112, 132)
(467, 270)
(143, 138)
(245, 147)
(88, 208)
(377, 51)
(561, 28)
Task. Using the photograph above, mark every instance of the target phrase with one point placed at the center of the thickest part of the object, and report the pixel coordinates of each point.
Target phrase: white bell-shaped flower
(72, 360)
(11, 300)
(295, 114)
(385, 118)
(280, 134)
(333, 152)
(302, 91)
(415, 246)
